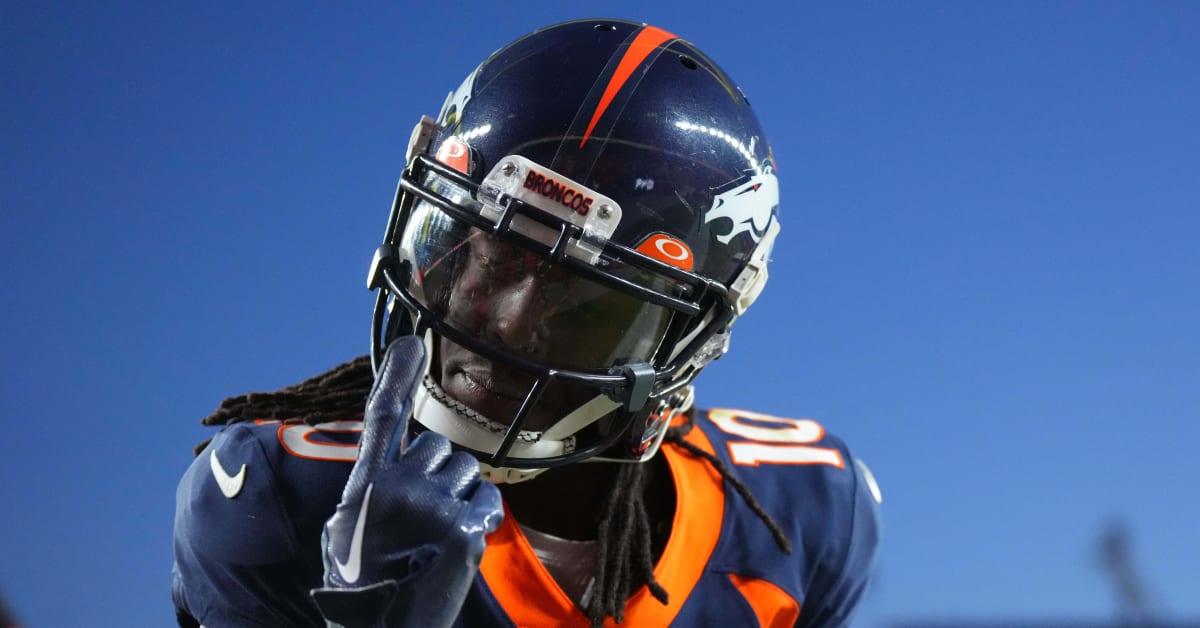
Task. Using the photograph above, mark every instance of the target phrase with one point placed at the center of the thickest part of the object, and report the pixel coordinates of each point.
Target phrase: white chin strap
(435, 409)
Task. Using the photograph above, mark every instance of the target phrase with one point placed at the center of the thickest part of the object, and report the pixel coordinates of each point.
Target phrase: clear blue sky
(988, 280)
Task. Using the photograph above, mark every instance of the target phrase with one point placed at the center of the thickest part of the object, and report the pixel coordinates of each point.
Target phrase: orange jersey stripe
(772, 605)
(530, 597)
(524, 588)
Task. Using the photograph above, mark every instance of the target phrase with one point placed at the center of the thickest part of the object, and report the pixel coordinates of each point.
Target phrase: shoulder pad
(811, 485)
(228, 504)
(248, 519)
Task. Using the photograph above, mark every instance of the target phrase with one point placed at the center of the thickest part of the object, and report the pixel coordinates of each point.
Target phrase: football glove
(406, 540)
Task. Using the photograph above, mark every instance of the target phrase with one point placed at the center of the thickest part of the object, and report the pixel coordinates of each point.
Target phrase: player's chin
(480, 395)
(499, 401)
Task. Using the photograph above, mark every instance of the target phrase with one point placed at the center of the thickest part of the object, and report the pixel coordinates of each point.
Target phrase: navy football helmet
(573, 237)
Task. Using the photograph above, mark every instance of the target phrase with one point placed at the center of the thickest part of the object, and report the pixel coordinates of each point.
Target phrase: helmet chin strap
(436, 410)
(506, 475)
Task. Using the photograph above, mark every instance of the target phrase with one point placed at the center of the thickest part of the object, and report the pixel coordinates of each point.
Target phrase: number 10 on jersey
(773, 440)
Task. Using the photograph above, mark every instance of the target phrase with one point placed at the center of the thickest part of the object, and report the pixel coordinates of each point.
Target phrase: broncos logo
(451, 114)
(748, 203)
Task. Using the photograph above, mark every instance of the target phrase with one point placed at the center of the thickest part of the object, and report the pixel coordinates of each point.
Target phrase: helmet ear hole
(687, 62)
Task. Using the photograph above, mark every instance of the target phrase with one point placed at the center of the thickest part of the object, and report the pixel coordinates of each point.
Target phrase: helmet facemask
(550, 344)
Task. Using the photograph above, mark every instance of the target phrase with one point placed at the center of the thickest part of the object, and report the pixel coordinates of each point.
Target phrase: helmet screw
(605, 211)
(508, 168)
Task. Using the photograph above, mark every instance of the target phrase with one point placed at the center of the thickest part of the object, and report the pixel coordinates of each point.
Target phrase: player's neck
(569, 502)
(566, 502)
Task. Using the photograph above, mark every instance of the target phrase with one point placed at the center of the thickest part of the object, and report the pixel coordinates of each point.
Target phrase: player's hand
(408, 535)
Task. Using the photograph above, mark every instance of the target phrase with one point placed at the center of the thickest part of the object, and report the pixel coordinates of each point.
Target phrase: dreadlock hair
(625, 549)
(337, 394)
(626, 524)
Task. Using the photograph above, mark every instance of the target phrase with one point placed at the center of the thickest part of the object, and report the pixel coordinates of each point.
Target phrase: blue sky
(988, 280)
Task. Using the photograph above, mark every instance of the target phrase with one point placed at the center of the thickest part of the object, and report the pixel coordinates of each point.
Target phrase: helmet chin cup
(679, 403)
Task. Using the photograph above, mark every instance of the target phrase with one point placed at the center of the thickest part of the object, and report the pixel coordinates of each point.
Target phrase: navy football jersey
(251, 507)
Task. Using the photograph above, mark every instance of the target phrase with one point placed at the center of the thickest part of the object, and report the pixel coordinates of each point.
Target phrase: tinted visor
(517, 300)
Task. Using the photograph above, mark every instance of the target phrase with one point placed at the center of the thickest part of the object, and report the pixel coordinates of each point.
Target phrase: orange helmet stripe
(645, 43)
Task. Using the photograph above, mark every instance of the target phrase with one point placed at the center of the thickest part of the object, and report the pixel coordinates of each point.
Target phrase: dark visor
(520, 301)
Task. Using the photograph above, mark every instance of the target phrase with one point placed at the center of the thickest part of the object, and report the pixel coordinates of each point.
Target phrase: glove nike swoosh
(230, 485)
(350, 569)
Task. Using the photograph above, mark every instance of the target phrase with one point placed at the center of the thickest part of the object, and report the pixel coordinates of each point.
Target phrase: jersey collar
(531, 597)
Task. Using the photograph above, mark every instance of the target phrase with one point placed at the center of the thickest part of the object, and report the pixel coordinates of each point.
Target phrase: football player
(570, 244)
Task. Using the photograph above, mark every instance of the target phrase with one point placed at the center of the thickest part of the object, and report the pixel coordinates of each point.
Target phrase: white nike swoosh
(230, 485)
(350, 569)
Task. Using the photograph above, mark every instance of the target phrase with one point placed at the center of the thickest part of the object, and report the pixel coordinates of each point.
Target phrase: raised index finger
(390, 402)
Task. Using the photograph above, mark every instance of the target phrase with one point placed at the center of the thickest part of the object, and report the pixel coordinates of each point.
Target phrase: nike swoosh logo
(353, 565)
(230, 485)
